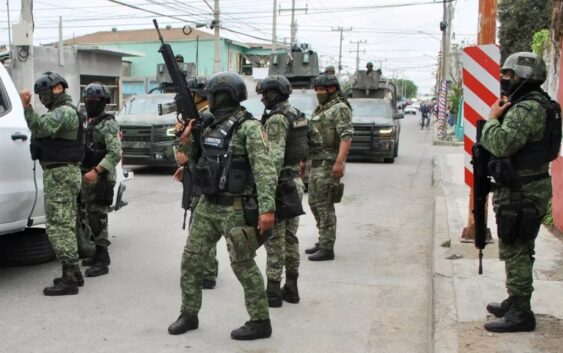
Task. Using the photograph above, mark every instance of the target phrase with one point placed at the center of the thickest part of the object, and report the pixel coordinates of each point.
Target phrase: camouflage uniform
(283, 246)
(523, 122)
(210, 264)
(105, 137)
(61, 184)
(211, 221)
(334, 122)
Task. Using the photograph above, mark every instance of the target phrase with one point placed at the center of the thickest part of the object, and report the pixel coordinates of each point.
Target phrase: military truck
(300, 66)
(374, 116)
(148, 139)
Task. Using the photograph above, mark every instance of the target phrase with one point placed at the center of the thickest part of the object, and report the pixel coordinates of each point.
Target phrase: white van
(21, 185)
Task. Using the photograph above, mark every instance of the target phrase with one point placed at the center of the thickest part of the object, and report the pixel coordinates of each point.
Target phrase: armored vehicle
(300, 66)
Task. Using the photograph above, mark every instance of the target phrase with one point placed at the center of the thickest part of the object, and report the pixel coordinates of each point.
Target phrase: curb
(443, 316)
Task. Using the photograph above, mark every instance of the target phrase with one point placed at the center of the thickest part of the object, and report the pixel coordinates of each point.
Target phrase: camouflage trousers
(209, 223)
(321, 184)
(210, 264)
(97, 217)
(283, 246)
(61, 187)
(518, 264)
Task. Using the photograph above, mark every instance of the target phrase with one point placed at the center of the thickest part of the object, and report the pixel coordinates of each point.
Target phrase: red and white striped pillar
(481, 89)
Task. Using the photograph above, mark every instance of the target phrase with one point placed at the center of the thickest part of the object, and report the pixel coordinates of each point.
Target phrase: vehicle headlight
(171, 131)
(386, 131)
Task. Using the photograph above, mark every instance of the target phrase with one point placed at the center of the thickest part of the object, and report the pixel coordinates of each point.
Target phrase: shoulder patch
(113, 127)
(273, 130)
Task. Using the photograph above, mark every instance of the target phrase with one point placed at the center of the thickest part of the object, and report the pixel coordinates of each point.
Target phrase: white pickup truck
(21, 187)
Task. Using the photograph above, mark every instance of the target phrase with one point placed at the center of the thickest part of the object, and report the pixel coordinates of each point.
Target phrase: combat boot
(183, 324)
(77, 275)
(500, 309)
(253, 330)
(67, 284)
(312, 249)
(322, 255)
(289, 291)
(100, 267)
(89, 261)
(273, 292)
(519, 318)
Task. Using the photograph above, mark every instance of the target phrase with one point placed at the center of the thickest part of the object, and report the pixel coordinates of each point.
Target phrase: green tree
(407, 90)
(519, 20)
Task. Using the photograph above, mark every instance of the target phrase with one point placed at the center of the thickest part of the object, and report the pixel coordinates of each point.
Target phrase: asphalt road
(375, 297)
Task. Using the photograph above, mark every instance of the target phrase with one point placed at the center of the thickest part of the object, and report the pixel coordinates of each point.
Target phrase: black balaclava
(271, 98)
(94, 106)
(222, 105)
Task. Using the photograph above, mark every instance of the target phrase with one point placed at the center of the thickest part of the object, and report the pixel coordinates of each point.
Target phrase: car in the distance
(376, 129)
(409, 109)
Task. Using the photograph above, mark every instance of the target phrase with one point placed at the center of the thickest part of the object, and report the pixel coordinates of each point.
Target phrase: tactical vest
(331, 140)
(297, 141)
(96, 148)
(65, 147)
(218, 171)
(535, 153)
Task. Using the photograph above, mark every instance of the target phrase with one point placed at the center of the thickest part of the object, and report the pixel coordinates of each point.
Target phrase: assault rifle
(185, 105)
(185, 108)
(481, 189)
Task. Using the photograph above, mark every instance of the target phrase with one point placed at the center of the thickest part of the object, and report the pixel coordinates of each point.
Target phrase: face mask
(46, 98)
(322, 98)
(270, 99)
(505, 86)
(94, 107)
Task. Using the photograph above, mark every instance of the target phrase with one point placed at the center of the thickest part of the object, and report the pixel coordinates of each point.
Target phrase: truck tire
(28, 247)
(84, 238)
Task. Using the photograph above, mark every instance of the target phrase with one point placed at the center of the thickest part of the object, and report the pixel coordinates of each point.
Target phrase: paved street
(375, 297)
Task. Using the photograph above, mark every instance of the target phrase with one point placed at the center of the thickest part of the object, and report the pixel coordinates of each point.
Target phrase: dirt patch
(548, 338)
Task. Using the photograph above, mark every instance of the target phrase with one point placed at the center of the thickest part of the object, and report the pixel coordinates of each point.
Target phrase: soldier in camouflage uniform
(58, 142)
(235, 162)
(103, 152)
(289, 136)
(517, 134)
(333, 119)
(187, 157)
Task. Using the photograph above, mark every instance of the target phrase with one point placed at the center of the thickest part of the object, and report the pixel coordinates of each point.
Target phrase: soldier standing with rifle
(187, 158)
(237, 180)
(289, 136)
(522, 136)
(103, 152)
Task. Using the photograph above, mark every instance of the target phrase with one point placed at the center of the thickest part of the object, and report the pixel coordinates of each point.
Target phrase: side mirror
(398, 116)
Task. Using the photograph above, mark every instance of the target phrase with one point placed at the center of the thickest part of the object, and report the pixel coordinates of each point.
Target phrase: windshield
(370, 107)
(146, 104)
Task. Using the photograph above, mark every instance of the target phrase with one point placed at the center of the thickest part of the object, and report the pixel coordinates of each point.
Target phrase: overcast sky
(402, 36)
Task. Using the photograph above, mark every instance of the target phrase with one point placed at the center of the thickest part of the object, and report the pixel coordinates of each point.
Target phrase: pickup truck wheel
(396, 150)
(389, 160)
(28, 247)
(84, 238)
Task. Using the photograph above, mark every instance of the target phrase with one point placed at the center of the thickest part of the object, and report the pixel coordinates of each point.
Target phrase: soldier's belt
(55, 165)
(321, 163)
(288, 173)
(224, 200)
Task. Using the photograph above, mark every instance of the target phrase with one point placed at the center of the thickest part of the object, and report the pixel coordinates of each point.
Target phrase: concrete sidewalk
(461, 294)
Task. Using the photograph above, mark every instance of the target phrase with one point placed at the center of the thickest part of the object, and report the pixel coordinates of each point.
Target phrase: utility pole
(445, 27)
(358, 52)
(9, 25)
(274, 26)
(22, 51)
(341, 30)
(217, 37)
(293, 22)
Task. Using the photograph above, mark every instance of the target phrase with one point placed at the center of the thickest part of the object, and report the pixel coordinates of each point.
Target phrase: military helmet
(326, 80)
(179, 58)
(369, 65)
(526, 65)
(197, 85)
(330, 70)
(277, 82)
(97, 90)
(48, 80)
(227, 82)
